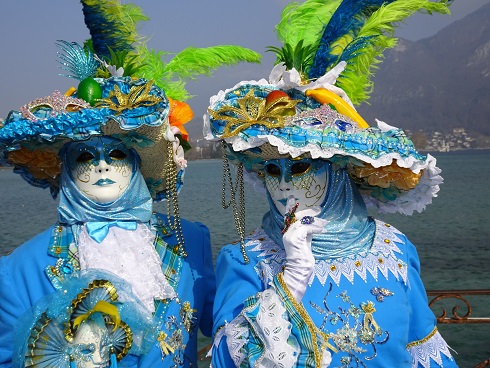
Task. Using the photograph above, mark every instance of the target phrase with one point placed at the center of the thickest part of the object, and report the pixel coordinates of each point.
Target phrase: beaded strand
(172, 200)
(238, 210)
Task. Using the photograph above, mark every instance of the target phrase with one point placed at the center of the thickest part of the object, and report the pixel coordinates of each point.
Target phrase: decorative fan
(90, 330)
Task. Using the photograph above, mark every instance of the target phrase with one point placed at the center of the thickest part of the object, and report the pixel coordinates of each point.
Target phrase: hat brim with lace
(134, 111)
(391, 174)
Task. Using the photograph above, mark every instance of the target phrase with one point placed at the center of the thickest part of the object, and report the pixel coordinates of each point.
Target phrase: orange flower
(180, 113)
(43, 165)
(383, 177)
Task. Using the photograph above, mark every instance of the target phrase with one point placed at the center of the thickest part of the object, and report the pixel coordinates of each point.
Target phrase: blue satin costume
(41, 265)
(365, 303)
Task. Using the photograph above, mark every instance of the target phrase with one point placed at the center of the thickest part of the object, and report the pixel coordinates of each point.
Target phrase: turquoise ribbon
(98, 230)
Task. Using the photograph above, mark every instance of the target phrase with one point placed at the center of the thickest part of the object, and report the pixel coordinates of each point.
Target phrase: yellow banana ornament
(325, 96)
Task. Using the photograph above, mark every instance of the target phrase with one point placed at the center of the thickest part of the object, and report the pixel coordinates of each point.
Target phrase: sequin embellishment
(357, 330)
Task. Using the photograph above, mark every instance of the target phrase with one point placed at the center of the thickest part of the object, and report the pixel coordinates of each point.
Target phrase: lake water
(452, 236)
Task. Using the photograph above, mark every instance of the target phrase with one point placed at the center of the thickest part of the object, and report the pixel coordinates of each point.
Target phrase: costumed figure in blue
(321, 283)
(112, 283)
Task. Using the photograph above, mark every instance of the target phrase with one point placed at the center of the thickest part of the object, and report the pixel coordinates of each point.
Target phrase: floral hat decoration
(306, 108)
(125, 90)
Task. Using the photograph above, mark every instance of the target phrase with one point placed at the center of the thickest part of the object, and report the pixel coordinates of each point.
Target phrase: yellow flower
(384, 177)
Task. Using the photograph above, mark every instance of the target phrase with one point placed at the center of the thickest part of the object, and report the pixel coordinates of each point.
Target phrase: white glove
(300, 262)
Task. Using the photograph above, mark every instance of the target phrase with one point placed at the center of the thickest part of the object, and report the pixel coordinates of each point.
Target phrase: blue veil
(349, 230)
(135, 204)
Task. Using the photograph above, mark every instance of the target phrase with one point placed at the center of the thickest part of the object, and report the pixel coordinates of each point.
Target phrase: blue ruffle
(82, 124)
(338, 135)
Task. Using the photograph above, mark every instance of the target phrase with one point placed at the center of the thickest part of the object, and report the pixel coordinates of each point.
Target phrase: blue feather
(105, 32)
(347, 19)
(76, 60)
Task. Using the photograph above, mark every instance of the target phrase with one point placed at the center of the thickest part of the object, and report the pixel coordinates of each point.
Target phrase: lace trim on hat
(381, 259)
(429, 349)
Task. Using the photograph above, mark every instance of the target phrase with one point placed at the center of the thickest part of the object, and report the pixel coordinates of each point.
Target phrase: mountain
(438, 83)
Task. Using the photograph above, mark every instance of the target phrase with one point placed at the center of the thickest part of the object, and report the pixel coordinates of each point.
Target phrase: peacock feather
(318, 34)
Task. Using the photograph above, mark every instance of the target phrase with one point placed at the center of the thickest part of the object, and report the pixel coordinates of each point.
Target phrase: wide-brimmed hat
(263, 120)
(132, 110)
(306, 108)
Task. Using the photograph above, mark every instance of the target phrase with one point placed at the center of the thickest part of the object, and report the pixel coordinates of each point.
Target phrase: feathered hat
(125, 90)
(306, 108)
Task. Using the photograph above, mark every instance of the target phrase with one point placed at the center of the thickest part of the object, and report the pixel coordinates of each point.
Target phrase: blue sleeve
(206, 322)
(22, 283)
(235, 283)
(425, 342)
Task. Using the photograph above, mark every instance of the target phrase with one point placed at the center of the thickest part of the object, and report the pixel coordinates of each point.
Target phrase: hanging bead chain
(172, 200)
(238, 210)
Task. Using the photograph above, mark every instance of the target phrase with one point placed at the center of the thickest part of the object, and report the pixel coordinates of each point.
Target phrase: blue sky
(29, 29)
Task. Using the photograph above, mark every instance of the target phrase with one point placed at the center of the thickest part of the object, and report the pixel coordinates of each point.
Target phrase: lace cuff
(261, 333)
(270, 332)
(429, 348)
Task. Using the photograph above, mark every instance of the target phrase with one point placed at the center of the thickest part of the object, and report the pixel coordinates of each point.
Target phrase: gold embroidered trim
(424, 340)
(138, 96)
(253, 110)
(111, 292)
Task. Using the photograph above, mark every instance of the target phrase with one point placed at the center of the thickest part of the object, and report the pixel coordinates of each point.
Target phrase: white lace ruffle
(236, 333)
(381, 259)
(430, 350)
(274, 331)
(131, 256)
(271, 328)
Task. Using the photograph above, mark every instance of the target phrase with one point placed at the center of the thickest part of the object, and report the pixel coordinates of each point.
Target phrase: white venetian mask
(101, 168)
(304, 179)
(90, 346)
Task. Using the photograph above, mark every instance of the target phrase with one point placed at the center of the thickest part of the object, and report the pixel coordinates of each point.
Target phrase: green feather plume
(114, 37)
(172, 75)
(318, 34)
(112, 25)
(299, 30)
(379, 31)
(304, 22)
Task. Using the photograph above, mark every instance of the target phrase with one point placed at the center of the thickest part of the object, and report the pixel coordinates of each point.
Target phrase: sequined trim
(63, 247)
(424, 340)
(382, 259)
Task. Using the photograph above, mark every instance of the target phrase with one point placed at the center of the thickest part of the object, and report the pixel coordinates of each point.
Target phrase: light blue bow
(98, 230)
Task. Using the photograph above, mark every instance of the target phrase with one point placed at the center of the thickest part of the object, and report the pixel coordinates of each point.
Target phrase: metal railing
(461, 310)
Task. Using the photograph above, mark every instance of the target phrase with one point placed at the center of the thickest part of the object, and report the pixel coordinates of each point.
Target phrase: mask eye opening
(300, 168)
(117, 154)
(273, 170)
(85, 157)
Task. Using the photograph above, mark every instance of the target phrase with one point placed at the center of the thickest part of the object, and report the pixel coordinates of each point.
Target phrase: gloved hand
(300, 262)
